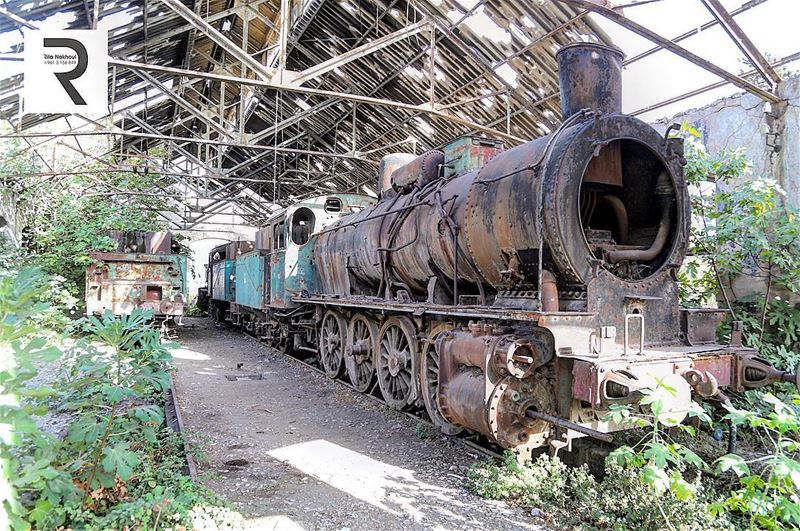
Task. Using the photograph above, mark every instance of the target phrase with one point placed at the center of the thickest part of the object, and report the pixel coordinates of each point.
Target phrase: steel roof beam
(183, 103)
(221, 40)
(380, 102)
(682, 37)
(161, 37)
(786, 60)
(743, 42)
(361, 51)
(667, 44)
(15, 18)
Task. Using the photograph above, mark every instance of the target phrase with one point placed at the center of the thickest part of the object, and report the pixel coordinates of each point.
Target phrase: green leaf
(680, 488)
(733, 463)
(692, 458)
(40, 511)
(149, 413)
(789, 511)
(623, 456)
(656, 478)
(657, 453)
(119, 460)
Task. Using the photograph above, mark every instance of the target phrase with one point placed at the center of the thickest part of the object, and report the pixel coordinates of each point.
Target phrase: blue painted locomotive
(252, 284)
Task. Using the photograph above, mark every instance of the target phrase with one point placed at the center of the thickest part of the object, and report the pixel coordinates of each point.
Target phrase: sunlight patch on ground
(186, 354)
(390, 488)
(277, 522)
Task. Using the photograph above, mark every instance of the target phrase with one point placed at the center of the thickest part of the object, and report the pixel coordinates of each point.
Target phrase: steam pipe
(621, 214)
(549, 292)
(665, 194)
(646, 255)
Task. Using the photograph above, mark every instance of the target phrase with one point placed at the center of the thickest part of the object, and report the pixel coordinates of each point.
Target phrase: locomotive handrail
(376, 216)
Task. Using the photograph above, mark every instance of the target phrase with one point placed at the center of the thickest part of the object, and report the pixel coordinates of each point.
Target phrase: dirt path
(312, 453)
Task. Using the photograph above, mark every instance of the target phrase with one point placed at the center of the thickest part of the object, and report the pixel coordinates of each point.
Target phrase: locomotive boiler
(520, 293)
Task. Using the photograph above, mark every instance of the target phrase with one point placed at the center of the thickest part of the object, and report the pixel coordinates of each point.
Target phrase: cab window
(333, 204)
(302, 226)
(278, 238)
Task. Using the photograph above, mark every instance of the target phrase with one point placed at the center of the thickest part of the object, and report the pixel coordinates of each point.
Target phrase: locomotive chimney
(590, 76)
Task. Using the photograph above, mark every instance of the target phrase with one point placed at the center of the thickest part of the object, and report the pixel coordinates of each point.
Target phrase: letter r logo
(66, 71)
(66, 78)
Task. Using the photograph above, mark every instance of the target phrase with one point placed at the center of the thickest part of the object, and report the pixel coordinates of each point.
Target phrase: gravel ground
(53, 422)
(295, 450)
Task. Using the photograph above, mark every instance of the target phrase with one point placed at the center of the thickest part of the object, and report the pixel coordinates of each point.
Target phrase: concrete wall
(10, 218)
(769, 134)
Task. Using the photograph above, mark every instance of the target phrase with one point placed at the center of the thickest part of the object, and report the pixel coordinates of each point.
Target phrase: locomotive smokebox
(590, 76)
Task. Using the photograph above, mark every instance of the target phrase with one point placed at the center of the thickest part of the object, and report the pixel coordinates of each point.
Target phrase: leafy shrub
(20, 351)
(743, 231)
(662, 461)
(118, 466)
(194, 311)
(768, 496)
(571, 498)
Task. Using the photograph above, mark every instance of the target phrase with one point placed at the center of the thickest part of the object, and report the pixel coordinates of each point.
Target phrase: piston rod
(562, 423)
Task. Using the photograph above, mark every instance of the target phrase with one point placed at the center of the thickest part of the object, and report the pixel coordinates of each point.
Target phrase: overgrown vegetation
(744, 250)
(744, 256)
(68, 215)
(571, 498)
(86, 445)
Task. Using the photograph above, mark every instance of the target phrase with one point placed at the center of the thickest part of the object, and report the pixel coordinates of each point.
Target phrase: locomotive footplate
(441, 310)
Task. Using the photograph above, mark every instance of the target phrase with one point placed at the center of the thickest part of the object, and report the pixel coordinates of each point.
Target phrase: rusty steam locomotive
(518, 293)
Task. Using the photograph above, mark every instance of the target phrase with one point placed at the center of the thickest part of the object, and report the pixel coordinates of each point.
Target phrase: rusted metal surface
(419, 172)
(487, 381)
(122, 282)
(699, 325)
(468, 154)
(388, 165)
(142, 242)
(590, 77)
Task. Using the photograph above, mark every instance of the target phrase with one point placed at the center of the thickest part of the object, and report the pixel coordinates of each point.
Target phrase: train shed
(405, 248)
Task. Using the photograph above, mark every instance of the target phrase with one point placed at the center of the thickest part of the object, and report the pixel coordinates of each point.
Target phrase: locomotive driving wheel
(360, 352)
(429, 380)
(396, 362)
(332, 335)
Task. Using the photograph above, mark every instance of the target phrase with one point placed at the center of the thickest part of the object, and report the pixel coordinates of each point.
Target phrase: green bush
(768, 494)
(117, 466)
(571, 498)
(742, 231)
